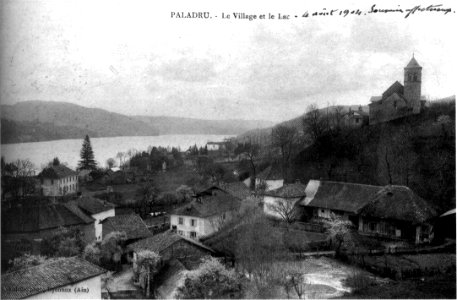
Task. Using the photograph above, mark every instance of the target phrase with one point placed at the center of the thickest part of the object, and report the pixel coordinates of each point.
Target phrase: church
(399, 100)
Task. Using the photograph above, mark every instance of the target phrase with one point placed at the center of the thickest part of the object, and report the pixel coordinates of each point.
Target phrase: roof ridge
(352, 183)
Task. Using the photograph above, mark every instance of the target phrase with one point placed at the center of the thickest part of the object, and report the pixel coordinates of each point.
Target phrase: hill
(176, 125)
(417, 151)
(33, 121)
(262, 136)
(64, 115)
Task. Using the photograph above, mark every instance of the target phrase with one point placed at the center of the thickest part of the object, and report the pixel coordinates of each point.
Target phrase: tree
(112, 248)
(210, 280)
(185, 192)
(110, 162)
(339, 232)
(87, 156)
(19, 178)
(285, 138)
(286, 209)
(121, 156)
(64, 242)
(314, 123)
(251, 152)
(148, 262)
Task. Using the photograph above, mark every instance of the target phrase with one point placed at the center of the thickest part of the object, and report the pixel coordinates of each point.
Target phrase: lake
(40, 153)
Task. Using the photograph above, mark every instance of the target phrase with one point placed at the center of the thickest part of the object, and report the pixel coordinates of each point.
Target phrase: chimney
(360, 108)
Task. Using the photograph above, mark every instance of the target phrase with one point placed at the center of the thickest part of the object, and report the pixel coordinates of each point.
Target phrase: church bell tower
(412, 85)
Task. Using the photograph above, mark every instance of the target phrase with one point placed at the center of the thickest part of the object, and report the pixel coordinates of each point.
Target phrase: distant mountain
(24, 131)
(175, 125)
(32, 121)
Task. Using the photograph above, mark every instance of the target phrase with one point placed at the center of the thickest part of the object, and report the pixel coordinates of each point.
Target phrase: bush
(210, 280)
(359, 281)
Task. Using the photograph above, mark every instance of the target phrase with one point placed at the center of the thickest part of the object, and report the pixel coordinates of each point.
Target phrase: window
(180, 232)
(193, 234)
(180, 221)
(372, 226)
(193, 222)
(173, 228)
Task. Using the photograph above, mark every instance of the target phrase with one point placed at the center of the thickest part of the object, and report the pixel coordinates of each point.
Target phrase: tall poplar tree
(87, 156)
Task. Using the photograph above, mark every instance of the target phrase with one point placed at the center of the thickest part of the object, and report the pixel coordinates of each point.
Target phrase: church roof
(413, 64)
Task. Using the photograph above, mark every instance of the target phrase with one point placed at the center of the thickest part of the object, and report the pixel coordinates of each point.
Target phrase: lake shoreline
(40, 153)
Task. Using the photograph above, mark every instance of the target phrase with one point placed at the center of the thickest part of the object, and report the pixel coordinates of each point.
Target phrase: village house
(131, 224)
(387, 211)
(398, 100)
(41, 221)
(356, 118)
(282, 203)
(62, 278)
(236, 189)
(397, 212)
(215, 146)
(342, 199)
(204, 215)
(272, 176)
(170, 245)
(97, 209)
(58, 180)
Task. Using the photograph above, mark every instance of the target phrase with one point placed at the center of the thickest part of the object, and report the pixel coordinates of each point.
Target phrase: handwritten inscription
(405, 12)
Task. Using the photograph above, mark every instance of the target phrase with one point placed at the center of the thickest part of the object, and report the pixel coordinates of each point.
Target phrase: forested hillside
(417, 151)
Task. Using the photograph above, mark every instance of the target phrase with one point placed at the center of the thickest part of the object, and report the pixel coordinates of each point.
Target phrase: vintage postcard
(242, 149)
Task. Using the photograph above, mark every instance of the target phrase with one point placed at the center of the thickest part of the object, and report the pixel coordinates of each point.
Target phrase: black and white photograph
(228, 150)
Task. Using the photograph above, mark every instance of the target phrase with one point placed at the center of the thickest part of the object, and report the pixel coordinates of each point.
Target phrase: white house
(58, 180)
(215, 146)
(98, 210)
(62, 278)
(272, 176)
(282, 203)
(205, 215)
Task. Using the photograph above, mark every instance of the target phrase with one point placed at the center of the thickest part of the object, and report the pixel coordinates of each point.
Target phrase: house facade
(63, 278)
(392, 211)
(204, 215)
(399, 100)
(397, 212)
(98, 209)
(343, 199)
(356, 118)
(283, 202)
(58, 180)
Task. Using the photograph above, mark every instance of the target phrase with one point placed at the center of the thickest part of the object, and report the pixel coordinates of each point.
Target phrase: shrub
(359, 281)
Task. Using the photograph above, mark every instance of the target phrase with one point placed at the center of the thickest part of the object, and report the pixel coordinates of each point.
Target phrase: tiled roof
(159, 242)
(270, 173)
(131, 224)
(294, 190)
(342, 196)
(236, 189)
(93, 205)
(399, 203)
(32, 219)
(396, 87)
(56, 172)
(210, 205)
(47, 276)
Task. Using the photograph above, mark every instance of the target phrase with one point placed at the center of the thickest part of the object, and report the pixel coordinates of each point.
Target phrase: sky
(131, 57)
